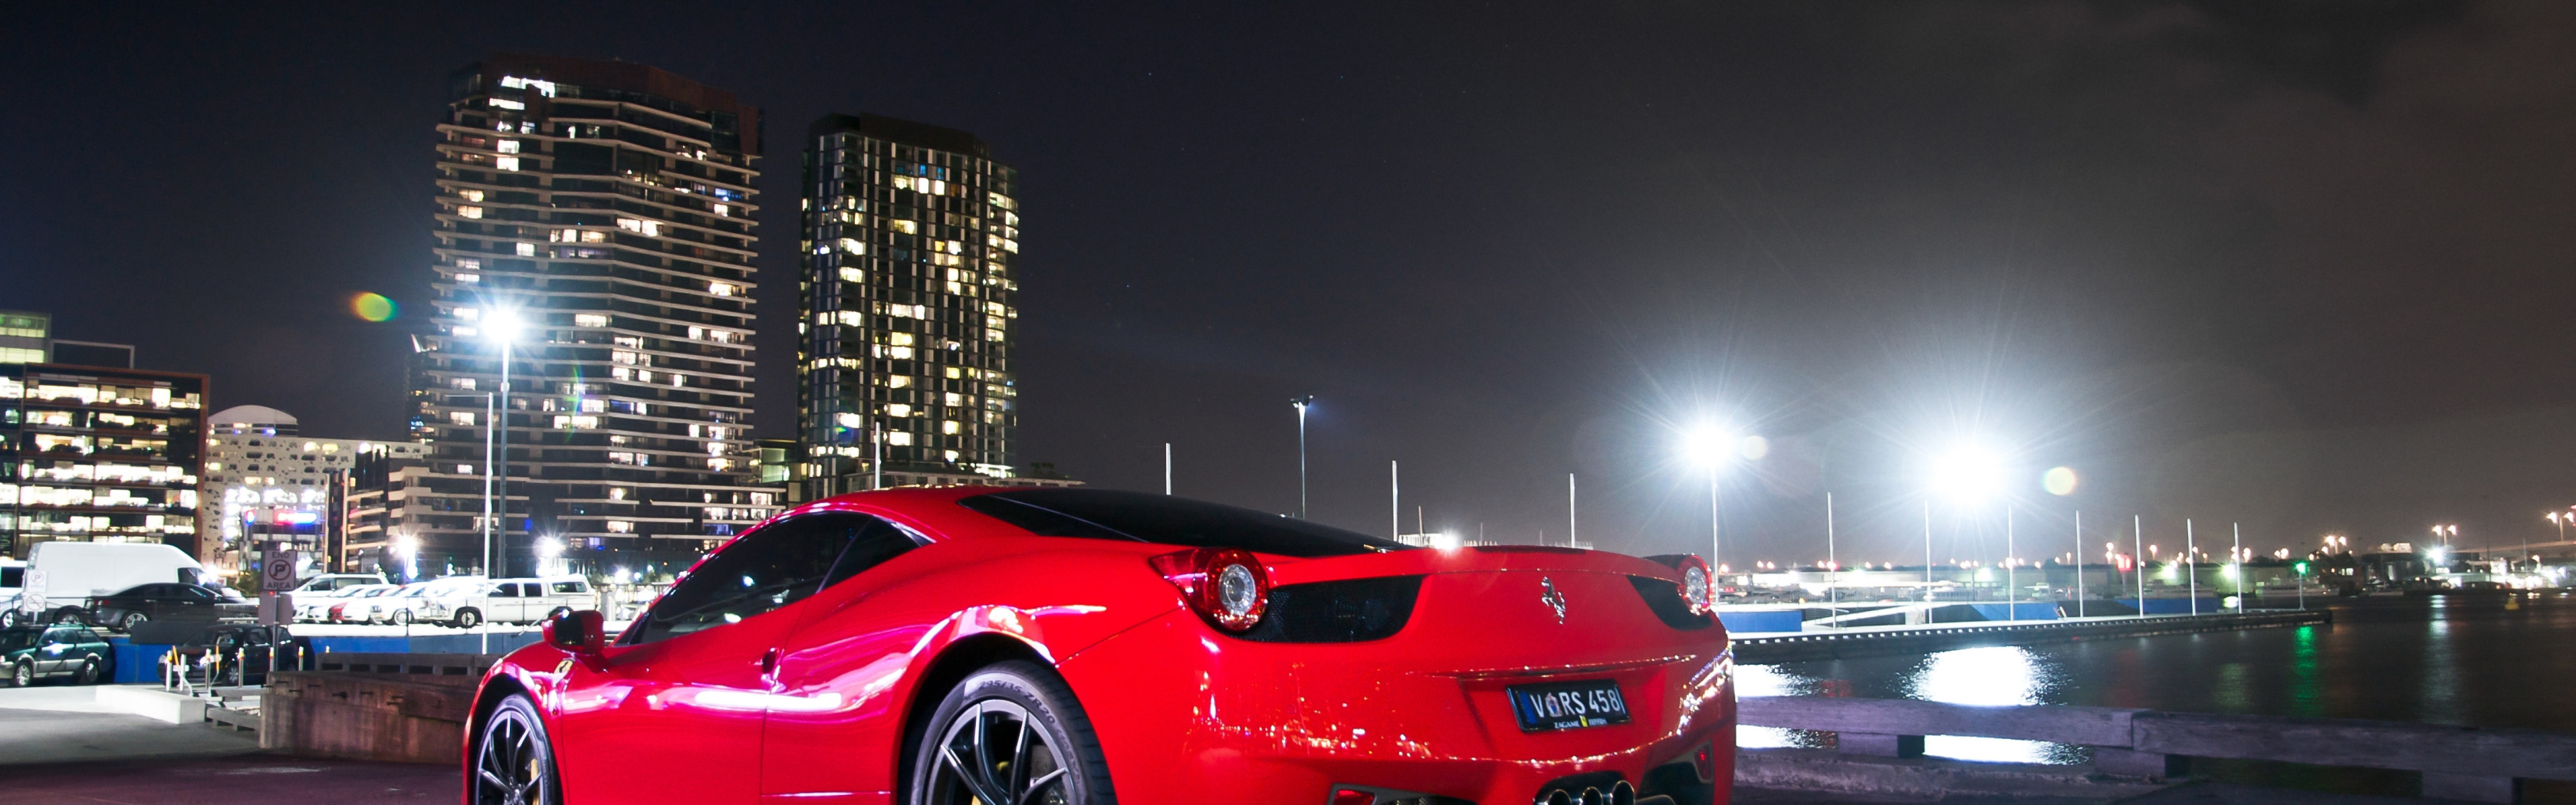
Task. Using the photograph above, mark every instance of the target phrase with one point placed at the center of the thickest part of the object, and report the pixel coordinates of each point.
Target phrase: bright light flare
(503, 324)
(2059, 481)
(1709, 445)
(1967, 474)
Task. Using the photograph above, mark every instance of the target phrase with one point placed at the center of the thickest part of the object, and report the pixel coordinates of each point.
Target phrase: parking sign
(277, 574)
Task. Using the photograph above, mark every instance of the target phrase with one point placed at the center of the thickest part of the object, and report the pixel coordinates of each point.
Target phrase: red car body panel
(807, 703)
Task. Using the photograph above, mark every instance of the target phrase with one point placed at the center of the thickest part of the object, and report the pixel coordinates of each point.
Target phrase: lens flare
(373, 307)
(2059, 481)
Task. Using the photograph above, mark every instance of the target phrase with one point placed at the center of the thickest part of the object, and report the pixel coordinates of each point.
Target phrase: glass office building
(906, 307)
(99, 454)
(605, 209)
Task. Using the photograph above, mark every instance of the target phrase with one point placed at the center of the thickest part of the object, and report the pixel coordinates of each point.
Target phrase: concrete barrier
(154, 703)
(408, 718)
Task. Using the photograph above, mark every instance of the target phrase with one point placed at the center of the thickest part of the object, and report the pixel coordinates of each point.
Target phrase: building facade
(100, 454)
(906, 307)
(605, 210)
(268, 486)
(28, 337)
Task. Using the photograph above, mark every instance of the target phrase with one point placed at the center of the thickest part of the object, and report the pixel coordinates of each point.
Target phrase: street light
(500, 326)
(1966, 475)
(1710, 446)
(1301, 403)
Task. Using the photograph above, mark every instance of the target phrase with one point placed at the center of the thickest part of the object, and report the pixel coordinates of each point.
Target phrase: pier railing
(2476, 764)
(1881, 640)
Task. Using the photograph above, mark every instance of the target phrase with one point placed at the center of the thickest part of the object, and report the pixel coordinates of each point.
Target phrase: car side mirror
(580, 632)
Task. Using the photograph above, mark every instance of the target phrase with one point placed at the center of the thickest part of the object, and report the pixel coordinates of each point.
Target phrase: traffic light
(2301, 566)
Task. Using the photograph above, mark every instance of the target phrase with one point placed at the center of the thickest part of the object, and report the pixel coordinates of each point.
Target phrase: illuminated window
(898, 381)
(505, 103)
(899, 438)
(899, 339)
(723, 288)
(509, 146)
(696, 333)
(625, 357)
(723, 210)
(899, 353)
(470, 278)
(646, 228)
(469, 212)
(621, 457)
(589, 320)
(470, 194)
(506, 163)
(464, 469)
(460, 417)
(571, 422)
(527, 249)
(620, 527)
(465, 383)
(948, 426)
(617, 493)
(469, 264)
(853, 275)
(903, 226)
(954, 373)
(679, 380)
(898, 409)
(852, 246)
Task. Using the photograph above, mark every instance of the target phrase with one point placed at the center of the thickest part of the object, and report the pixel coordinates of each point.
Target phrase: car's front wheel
(467, 618)
(514, 762)
(402, 617)
(1010, 733)
(23, 675)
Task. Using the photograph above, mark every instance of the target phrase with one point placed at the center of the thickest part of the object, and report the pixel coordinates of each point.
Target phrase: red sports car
(1075, 646)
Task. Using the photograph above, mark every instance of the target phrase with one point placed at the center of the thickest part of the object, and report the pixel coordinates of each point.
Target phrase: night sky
(2303, 266)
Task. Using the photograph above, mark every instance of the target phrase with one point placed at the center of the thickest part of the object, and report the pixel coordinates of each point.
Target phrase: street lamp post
(501, 325)
(1301, 403)
(1711, 445)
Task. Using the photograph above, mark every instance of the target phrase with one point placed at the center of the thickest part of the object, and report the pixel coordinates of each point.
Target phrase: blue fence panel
(1780, 620)
(2027, 611)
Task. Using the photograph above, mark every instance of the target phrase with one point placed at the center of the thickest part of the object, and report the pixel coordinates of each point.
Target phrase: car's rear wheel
(131, 620)
(88, 672)
(514, 762)
(8, 618)
(70, 616)
(402, 617)
(1010, 733)
(467, 618)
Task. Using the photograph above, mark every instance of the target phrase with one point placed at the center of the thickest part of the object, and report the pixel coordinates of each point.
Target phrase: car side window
(197, 593)
(569, 588)
(874, 544)
(766, 569)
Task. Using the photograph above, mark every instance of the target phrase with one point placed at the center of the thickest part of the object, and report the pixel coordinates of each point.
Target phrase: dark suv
(30, 653)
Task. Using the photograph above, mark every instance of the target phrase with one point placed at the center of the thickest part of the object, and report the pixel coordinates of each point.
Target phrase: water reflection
(1992, 676)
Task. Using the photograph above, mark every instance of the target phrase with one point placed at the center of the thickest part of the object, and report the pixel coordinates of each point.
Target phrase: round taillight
(1698, 586)
(1226, 586)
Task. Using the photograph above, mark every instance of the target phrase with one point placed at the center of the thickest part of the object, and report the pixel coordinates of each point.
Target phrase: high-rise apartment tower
(605, 208)
(906, 307)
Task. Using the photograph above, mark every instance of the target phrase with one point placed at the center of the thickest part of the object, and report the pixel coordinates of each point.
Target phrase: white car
(316, 607)
(335, 582)
(524, 600)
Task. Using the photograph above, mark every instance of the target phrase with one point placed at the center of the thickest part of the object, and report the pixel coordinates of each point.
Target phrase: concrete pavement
(239, 780)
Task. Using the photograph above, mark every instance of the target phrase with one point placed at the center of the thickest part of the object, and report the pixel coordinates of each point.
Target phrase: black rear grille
(1346, 611)
(1665, 598)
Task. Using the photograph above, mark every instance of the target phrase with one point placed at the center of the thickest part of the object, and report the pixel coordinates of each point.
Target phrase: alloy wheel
(88, 672)
(133, 619)
(511, 765)
(993, 754)
(23, 676)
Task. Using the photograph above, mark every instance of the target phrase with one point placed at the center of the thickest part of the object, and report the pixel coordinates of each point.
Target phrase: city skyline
(2238, 277)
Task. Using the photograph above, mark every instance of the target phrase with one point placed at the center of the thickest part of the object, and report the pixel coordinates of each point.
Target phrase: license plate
(1568, 705)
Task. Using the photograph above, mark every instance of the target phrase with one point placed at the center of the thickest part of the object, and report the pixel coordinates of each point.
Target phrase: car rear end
(1499, 674)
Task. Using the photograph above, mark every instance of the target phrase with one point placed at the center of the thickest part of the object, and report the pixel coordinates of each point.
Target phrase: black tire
(401, 617)
(8, 618)
(70, 616)
(88, 672)
(23, 675)
(467, 618)
(514, 759)
(993, 708)
(131, 620)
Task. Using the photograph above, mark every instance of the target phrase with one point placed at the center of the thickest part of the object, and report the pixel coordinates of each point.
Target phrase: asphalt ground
(253, 779)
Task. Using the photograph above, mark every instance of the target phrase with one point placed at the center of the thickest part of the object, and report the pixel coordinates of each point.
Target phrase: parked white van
(13, 582)
(529, 600)
(62, 576)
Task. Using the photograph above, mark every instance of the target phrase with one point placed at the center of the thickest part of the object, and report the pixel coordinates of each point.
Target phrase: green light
(2301, 567)
(372, 307)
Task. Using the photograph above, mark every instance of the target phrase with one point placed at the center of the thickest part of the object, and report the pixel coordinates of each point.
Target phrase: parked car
(334, 582)
(410, 604)
(357, 605)
(32, 653)
(316, 607)
(942, 645)
(166, 601)
(13, 586)
(72, 572)
(243, 651)
(528, 600)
